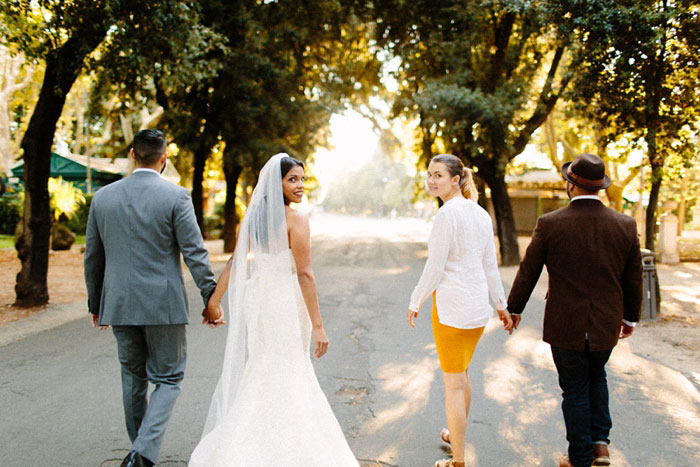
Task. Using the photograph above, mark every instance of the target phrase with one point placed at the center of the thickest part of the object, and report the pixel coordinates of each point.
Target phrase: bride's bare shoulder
(296, 218)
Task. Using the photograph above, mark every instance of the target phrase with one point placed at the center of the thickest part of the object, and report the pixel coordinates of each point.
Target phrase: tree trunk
(505, 223)
(614, 194)
(551, 138)
(232, 171)
(653, 89)
(650, 227)
(62, 68)
(681, 204)
(10, 67)
(200, 161)
(657, 165)
(426, 142)
(201, 153)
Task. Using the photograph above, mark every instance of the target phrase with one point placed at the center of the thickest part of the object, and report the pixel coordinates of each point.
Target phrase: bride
(268, 408)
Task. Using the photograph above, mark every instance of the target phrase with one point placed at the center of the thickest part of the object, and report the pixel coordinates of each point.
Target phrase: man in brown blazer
(594, 297)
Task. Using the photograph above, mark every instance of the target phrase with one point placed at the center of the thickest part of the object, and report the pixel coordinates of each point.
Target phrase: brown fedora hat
(587, 171)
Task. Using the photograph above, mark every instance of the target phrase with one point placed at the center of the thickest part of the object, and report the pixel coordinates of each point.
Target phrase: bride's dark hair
(287, 162)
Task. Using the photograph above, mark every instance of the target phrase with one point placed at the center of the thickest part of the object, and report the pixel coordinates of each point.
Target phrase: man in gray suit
(137, 229)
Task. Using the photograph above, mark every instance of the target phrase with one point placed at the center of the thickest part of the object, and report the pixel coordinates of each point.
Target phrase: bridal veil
(262, 235)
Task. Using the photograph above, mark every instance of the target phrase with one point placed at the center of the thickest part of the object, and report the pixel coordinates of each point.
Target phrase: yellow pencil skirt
(455, 347)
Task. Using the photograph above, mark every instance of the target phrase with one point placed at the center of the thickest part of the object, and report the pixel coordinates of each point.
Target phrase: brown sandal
(445, 436)
(448, 463)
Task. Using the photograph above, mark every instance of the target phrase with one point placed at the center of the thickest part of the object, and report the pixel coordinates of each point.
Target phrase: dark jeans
(583, 381)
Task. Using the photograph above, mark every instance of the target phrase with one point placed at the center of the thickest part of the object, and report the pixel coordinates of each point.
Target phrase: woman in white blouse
(460, 273)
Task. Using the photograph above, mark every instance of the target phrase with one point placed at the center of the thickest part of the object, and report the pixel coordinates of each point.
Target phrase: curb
(51, 317)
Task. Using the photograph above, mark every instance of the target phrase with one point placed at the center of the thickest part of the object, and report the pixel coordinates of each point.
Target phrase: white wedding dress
(279, 415)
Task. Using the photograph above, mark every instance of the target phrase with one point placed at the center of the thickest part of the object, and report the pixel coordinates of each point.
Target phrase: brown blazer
(595, 274)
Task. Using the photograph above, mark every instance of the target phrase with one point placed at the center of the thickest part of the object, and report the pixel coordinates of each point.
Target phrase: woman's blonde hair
(466, 178)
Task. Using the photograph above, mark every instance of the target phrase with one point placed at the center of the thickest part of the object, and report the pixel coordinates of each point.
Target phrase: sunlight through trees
(232, 83)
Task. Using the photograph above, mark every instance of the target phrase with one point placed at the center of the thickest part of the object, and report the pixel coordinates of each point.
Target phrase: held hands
(510, 322)
(320, 342)
(213, 314)
(507, 320)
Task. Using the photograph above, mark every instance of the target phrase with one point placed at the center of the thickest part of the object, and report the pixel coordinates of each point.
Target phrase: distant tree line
(380, 188)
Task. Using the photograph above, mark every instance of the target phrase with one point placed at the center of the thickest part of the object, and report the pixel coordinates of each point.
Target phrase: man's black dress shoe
(134, 459)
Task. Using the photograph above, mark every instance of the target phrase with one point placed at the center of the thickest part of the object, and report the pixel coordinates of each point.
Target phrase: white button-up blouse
(461, 266)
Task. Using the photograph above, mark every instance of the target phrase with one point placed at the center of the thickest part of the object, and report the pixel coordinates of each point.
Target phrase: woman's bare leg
(458, 397)
(467, 395)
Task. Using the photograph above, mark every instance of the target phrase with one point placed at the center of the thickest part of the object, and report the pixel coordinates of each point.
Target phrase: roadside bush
(214, 223)
(65, 198)
(10, 212)
(78, 221)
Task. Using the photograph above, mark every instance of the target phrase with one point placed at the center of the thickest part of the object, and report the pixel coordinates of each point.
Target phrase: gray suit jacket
(136, 230)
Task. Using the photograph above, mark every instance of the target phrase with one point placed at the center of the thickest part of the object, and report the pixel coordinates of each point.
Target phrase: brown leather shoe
(601, 455)
(564, 462)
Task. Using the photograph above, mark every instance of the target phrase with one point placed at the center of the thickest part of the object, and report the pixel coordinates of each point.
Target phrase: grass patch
(7, 241)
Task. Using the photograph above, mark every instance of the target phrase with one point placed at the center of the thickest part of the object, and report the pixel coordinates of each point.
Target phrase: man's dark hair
(148, 146)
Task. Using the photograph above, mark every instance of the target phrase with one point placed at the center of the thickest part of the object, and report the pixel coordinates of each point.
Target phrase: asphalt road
(60, 401)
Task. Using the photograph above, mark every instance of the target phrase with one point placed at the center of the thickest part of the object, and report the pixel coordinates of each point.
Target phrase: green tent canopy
(73, 168)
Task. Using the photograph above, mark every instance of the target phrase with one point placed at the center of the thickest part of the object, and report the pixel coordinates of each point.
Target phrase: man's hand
(213, 315)
(95, 319)
(516, 320)
(626, 331)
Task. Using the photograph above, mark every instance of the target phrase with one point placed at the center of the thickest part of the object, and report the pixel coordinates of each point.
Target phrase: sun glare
(353, 143)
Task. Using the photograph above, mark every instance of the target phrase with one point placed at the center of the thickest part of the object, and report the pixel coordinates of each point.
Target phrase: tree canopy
(250, 78)
(640, 77)
(480, 77)
(65, 37)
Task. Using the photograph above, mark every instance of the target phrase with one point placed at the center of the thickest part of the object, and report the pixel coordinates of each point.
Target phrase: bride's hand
(320, 342)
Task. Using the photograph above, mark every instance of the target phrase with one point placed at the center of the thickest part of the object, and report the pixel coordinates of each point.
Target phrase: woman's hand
(411, 315)
(320, 342)
(506, 319)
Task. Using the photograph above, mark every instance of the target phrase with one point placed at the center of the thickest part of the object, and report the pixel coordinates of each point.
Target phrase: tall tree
(64, 35)
(15, 76)
(68, 42)
(642, 75)
(291, 66)
(480, 77)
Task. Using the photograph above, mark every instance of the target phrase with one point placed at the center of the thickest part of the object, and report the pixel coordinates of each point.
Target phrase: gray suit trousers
(155, 353)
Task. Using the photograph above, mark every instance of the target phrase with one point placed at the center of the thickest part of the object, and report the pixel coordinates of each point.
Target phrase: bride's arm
(213, 314)
(300, 243)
